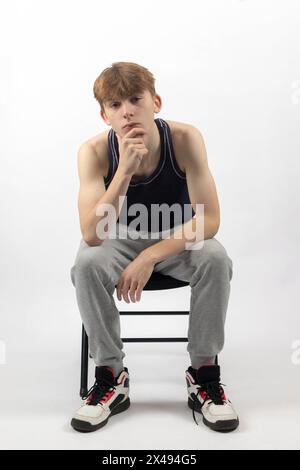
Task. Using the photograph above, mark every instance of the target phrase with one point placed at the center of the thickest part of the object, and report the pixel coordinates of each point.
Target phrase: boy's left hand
(134, 277)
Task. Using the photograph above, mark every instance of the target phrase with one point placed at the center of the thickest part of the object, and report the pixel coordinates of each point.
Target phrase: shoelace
(98, 391)
(214, 393)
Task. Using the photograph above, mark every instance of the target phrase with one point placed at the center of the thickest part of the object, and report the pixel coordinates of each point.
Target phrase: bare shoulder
(98, 144)
(179, 126)
(182, 133)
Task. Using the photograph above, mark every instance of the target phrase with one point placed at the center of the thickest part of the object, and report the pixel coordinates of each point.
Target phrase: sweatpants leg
(95, 274)
(209, 272)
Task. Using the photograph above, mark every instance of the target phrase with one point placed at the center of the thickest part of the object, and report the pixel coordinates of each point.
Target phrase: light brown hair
(122, 80)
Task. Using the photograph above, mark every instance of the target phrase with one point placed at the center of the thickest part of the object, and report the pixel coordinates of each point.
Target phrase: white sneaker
(108, 396)
(207, 396)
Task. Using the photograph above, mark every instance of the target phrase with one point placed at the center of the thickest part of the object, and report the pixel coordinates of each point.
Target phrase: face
(139, 108)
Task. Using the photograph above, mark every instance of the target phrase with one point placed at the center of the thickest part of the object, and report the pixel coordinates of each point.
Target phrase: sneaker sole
(85, 426)
(220, 426)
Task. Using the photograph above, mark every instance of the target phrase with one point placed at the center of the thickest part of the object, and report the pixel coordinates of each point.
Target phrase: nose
(127, 110)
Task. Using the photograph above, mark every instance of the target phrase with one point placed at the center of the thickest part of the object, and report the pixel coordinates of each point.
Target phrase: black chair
(157, 281)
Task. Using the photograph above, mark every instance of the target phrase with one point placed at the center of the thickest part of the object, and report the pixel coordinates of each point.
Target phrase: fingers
(124, 291)
(132, 291)
(119, 294)
(138, 293)
(131, 133)
(136, 142)
(135, 131)
(127, 291)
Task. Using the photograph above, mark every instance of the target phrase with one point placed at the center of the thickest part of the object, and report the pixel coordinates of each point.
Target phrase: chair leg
(84, 363)
(85, 358)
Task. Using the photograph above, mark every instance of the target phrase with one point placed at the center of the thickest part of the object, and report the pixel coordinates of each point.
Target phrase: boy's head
(126, 93)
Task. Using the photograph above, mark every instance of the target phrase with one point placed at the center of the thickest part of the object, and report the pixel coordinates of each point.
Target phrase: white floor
(38, 400)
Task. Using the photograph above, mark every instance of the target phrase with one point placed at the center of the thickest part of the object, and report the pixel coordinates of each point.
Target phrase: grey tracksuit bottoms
(96, 272)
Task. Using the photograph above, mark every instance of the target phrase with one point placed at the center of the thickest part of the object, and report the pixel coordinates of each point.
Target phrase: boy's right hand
(132, 150)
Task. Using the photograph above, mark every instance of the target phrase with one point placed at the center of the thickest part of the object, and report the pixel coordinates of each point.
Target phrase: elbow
(216, 228)
(97, 242)
(215, 225)
(92, 241)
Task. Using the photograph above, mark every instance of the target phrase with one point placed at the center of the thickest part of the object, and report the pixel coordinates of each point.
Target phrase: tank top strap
(170, 150)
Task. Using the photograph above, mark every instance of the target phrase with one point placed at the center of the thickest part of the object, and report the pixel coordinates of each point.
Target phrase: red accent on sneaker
(107, 396)
(223, 396)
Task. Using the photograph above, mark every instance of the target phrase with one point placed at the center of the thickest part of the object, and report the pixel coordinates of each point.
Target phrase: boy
(147, 162)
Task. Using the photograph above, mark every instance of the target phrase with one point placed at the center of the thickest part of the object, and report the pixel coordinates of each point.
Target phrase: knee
(217, 257)
(89, 262)
(213, 257)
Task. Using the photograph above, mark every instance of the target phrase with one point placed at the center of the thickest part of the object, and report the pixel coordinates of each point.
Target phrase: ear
(157, 103)
(103, 115)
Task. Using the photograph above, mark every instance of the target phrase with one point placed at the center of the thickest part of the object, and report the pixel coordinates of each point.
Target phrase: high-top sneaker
(207, 396)
(108, 396)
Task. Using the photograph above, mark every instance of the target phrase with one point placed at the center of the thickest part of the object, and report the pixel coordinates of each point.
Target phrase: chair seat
(160, 281)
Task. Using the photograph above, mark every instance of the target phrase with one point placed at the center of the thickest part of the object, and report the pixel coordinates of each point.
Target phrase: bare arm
(92, 192)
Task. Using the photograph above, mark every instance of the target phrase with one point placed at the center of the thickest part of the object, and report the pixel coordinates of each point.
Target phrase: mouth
(129, 126)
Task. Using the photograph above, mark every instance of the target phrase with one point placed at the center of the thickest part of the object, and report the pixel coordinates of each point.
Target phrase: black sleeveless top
(165, 188)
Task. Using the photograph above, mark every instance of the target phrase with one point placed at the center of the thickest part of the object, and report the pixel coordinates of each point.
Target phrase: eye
(117, 103)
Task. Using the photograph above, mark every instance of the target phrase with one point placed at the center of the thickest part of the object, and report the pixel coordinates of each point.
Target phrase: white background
(229, 68)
